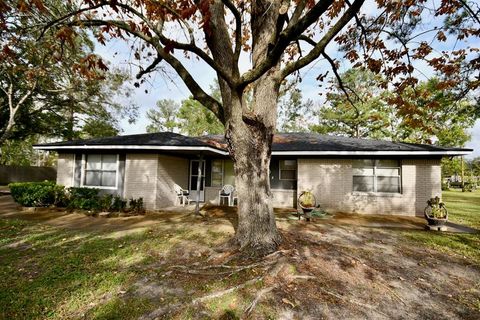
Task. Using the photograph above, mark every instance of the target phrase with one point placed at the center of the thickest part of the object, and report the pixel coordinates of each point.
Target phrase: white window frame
(375, 166)
(280, 170)
(84, 168)
(211, 173)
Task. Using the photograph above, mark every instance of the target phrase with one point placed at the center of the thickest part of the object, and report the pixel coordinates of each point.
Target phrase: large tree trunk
(249, 134)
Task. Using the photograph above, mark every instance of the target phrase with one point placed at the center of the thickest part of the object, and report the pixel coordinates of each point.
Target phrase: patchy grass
(463, 208)
(176, 266)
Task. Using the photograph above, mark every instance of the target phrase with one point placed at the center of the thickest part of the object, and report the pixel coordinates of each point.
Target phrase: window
(288, 170)
(101, 170)
(217, 173)
(376, 176)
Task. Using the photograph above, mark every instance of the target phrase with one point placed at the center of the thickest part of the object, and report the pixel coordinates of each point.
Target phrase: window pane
(388, 163)
(387, 172)
(363, 171)
(109, 162)
(362, 163)
(108, 178)
(288, 174)
(364, 184)
(193, 183)
(216, 182)
(92, 178)
(195, 168)
(217, 166)
(94, 162)
(288, 164)
(388, 184)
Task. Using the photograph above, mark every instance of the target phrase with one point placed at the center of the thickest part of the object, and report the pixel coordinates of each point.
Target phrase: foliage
(294, 114)
(83, 198)
(425, 113)
(136, 206)
(163, 117)
(469, 186)
(306, 199)
(21, 153)
(37, 194)
(362, 112)
(437, 208)
(196, 120)
(118, 204)
(190, 118)
(52, 87)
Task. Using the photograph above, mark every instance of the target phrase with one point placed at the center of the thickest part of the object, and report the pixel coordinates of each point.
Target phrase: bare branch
(150, 68)
(326, 39)
(340, 82)
(238, 27)
(197, 92)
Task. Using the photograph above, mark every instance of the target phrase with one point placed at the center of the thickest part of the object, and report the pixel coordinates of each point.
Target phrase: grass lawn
(463, 208)
(170, 266)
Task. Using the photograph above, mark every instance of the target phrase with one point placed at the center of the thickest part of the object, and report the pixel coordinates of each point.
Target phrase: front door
(194, 178)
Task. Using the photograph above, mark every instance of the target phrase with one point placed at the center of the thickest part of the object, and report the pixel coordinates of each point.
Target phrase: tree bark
(249, 134)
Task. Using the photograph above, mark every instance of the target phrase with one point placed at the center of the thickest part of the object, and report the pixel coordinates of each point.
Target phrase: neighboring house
(345, 174)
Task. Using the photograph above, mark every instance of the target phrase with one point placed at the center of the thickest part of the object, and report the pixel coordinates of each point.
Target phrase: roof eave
(131, 147)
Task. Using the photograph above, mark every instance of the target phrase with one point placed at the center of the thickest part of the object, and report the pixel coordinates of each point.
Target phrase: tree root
(259, 296)
(363, 305)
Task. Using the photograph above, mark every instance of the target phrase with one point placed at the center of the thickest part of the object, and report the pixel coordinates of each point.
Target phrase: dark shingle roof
(283, 142)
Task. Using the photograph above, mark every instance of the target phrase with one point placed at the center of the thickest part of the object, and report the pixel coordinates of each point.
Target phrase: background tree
(294, 114)
(281, 37)
(357, 107)
(163, 117)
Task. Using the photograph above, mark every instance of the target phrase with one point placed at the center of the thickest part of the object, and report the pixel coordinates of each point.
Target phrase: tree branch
(238, 27)
(291, 33)
(322, 44)
(340, 82)
(197, 92)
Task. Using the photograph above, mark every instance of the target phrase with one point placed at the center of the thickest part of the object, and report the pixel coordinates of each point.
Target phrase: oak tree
(280, 38)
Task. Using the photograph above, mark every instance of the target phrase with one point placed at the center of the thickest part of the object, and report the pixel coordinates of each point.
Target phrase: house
(345, 174)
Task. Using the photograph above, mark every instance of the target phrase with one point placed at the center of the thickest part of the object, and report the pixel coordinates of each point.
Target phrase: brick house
(345, 174)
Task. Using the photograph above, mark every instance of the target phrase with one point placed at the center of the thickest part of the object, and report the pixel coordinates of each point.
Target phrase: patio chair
(182, 195)
(226, 192)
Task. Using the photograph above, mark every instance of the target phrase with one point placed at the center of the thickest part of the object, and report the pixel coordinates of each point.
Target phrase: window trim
(280, 170)
(84, 169)
(211, 172)
(375, 176)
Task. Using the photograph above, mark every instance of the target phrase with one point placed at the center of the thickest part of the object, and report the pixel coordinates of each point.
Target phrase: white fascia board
(370, 153)
(274, 153)
(131, 147)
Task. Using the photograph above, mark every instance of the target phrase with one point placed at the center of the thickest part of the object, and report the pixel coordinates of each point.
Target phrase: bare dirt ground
(329, 268)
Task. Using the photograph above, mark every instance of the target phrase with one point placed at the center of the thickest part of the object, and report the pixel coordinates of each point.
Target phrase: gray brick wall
(65, 166)
(331, 181)
(171, 171)
(141, 178)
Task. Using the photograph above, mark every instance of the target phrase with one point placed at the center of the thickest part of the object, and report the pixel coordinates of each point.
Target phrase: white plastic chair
(182, 195)
(226, 192)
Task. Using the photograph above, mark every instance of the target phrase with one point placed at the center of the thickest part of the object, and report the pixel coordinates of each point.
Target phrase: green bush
(469, 187)
(118, 204)
(38, 194)
(136, 206)
(83, 198)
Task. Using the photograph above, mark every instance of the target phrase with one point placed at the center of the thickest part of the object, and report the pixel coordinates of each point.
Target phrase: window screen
(101, 170)
(376, 176)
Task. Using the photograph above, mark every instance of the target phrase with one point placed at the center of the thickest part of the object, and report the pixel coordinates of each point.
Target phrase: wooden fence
(26, 174)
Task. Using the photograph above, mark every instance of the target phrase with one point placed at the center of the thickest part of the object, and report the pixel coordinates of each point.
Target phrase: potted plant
(307, 202)
(436, 213)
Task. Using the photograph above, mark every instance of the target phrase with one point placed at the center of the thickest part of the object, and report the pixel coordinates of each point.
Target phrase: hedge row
(48, 193)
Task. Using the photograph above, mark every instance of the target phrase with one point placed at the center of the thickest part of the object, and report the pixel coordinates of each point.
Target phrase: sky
(166, 85)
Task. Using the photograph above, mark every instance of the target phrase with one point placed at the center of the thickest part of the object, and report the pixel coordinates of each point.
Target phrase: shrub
(83, 198)
(136, 206)
(469, 187)
(38, 194)
(106, 202)
(118, 204)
